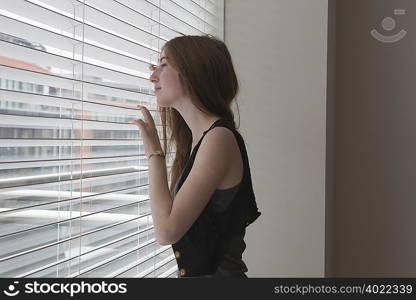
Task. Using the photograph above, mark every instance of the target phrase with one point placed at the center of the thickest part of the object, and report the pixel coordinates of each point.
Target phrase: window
(73, 177)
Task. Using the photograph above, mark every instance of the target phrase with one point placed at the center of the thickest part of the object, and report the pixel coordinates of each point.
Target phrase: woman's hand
(148, 131)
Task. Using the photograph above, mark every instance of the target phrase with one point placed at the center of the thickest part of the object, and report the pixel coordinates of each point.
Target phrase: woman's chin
(162, 103)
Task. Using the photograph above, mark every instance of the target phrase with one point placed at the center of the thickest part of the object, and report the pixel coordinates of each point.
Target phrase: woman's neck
(196, 120)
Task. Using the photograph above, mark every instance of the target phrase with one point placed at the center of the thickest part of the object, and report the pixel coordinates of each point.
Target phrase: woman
(210, 201)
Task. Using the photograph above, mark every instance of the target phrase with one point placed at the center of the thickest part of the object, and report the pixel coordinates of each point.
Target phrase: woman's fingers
(147, 116)
(138, 123)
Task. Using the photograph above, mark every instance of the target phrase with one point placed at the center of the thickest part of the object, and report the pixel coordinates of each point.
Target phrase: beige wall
(374, 104)
(279, 51)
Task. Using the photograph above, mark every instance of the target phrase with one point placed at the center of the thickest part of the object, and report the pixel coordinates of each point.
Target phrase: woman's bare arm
(212, 162)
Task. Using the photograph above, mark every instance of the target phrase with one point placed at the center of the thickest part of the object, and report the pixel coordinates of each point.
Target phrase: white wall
(279, 51)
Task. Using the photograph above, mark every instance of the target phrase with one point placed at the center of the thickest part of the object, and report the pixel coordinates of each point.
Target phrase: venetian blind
(74, 198)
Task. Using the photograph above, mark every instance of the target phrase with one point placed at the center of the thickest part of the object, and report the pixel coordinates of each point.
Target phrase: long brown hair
(207, 76)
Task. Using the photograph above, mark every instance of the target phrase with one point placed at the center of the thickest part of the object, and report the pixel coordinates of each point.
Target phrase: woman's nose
(152, 76)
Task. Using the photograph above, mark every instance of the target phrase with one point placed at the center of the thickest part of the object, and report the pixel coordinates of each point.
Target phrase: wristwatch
(158, 153)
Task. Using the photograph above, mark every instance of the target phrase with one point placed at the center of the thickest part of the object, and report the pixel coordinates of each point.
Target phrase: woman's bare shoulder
(220, 138)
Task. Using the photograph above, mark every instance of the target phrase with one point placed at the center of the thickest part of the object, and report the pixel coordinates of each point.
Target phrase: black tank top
(231, 263)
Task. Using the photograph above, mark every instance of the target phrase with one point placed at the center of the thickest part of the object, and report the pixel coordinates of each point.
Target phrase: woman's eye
(162, 65)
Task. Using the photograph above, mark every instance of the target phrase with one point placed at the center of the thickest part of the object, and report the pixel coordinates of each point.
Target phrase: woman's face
(167, 86)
